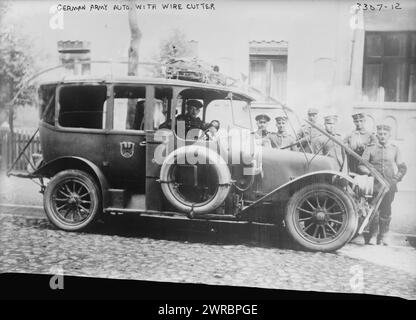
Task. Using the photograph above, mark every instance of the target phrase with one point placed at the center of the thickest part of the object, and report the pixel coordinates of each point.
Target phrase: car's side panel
(74, 142)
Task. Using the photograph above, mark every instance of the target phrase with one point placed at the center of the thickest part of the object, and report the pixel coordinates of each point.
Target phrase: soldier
(325, 146)
(282, 138)
(262, 134)
(308, 133)
(386, 158)
(358, 140)
(192, 121)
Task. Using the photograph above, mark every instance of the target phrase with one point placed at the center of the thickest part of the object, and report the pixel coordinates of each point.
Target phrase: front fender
(328, 176)
(51, 168)
(323, 174)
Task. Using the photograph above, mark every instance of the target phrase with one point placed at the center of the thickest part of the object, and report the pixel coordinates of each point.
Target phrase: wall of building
(401, 115)
(325, 61)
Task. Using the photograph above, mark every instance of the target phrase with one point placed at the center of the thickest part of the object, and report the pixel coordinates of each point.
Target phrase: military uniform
(192, 123)
(387, 160)
(325, 146)
(262, 136)
(307, 136)
(358, 140)
(308, 133)
(282, 139)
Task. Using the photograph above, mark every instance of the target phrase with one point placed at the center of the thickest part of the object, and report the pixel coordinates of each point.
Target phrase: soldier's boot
(367, 238)
(384, 229)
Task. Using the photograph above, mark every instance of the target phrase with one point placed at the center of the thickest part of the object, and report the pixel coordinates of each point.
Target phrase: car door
(126, 138)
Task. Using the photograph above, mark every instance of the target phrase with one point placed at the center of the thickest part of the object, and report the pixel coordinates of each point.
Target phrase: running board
(177, 214)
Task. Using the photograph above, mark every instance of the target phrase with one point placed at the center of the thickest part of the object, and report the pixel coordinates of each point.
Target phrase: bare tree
(174, 45)
(133, 58)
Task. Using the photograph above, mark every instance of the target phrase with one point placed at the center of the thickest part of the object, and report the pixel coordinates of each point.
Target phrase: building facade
(340, 57)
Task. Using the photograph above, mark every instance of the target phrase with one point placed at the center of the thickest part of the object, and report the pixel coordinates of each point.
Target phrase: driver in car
(191, 119)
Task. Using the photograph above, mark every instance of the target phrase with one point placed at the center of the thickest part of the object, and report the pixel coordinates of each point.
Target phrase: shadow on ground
(194, 231)
(210, 232)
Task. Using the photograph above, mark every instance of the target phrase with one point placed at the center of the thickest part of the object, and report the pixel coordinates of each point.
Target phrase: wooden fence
(11, 146)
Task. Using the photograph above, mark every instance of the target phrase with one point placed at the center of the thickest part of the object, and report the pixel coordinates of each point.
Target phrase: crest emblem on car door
(127, 149)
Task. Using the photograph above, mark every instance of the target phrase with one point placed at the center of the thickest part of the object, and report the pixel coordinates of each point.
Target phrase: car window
(46, 99)
(220, 110)
(129, 103)
(241, 114)
(83, 106)
(163, 101)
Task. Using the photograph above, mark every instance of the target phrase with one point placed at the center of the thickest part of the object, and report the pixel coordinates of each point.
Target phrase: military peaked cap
(264, 117)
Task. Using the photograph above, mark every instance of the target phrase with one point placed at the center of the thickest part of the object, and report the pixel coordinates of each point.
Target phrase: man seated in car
(191, 119)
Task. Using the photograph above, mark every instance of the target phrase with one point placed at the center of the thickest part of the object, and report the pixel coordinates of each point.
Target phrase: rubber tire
(94, 192)
(224, 177)
(339, 241)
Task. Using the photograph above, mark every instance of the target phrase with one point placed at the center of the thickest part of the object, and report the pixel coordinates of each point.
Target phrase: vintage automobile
(115, 145)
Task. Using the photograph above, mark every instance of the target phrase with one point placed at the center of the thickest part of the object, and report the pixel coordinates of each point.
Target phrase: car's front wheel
(72, 200)
(320, 217)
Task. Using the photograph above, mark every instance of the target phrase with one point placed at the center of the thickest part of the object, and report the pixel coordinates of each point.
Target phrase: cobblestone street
(31, 245)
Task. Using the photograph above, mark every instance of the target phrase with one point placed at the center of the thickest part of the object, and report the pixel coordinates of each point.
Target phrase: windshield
(230, 113)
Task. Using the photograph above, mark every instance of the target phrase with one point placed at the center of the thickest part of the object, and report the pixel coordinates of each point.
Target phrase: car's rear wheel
(72, 200)
(321, 217)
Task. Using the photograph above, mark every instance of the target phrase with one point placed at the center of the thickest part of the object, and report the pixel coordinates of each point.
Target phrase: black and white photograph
(246, 144)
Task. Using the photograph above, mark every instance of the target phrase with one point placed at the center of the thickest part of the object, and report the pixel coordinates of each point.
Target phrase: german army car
(124, 145)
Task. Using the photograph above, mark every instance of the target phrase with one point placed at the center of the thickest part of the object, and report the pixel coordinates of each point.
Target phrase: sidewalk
(397, 257)
(19, 191)
(395, 240)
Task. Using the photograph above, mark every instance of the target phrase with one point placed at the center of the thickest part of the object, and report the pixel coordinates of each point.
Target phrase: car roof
(148, 81)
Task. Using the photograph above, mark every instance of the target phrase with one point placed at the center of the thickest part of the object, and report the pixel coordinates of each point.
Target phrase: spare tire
(212, 169)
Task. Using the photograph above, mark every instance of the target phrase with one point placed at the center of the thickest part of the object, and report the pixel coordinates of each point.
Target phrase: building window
(268, 67)
(390, 67)
(268, 74)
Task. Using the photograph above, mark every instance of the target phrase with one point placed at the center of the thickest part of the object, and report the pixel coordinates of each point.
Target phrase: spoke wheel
(321, 217)
(72, 200)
